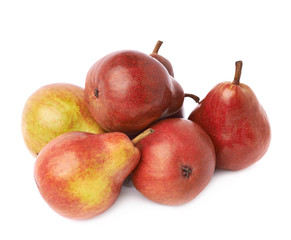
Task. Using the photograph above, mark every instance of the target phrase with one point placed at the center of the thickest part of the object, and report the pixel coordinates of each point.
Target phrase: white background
(45, 42)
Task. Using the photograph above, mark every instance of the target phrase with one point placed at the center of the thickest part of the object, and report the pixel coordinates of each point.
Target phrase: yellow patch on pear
(119, 157)
(94, 187)
(53, 110)
(91, 190)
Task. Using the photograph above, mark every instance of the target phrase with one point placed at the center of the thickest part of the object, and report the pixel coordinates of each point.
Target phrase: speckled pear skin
(236, 122)
(128, 90)
(80, 174)
(166, 63)
(177, 162)
(53, 110)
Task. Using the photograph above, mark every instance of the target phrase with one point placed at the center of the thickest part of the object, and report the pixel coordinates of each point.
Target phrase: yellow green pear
(52, 110)
(80, 174)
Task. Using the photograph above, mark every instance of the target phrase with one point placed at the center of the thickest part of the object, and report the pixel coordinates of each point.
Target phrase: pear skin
(177, 162)
(128, 90)
(53, 110)
(80, 174)
(236, 122)
(167, 64)
(177, 96)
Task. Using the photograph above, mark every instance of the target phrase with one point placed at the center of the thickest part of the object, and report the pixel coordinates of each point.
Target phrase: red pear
(155, 54)
(128, 90)
(236, 122)
(162, 59)
(80, 174)
(177, 162)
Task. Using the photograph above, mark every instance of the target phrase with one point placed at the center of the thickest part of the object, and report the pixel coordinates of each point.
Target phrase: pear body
(80, 174)
(177, 162)
(237, 124)
(53, 110)
(128, 90)
(179, 114)
(167, 64)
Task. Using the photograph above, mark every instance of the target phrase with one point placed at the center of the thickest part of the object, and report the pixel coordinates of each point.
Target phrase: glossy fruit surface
(127, 90)
(177, 162)
(236, 122)
(80, 174)
(53, 110)
(167, 64)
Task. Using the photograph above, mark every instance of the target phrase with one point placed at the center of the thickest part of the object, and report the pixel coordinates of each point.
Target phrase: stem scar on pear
(186, 171)
(96, 92)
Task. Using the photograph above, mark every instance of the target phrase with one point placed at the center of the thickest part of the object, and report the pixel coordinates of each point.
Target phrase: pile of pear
(128, 123)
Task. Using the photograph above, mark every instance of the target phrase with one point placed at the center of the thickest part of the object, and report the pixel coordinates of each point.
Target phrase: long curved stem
(194, 97)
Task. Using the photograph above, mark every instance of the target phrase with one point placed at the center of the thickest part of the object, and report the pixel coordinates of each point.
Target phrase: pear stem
(157, 47)
(142, 135)
(194, 97)
(238, 67)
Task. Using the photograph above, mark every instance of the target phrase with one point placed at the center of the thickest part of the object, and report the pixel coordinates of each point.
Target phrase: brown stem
(142, 135)
(194, 97)
(157, 47)
(238, 67)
